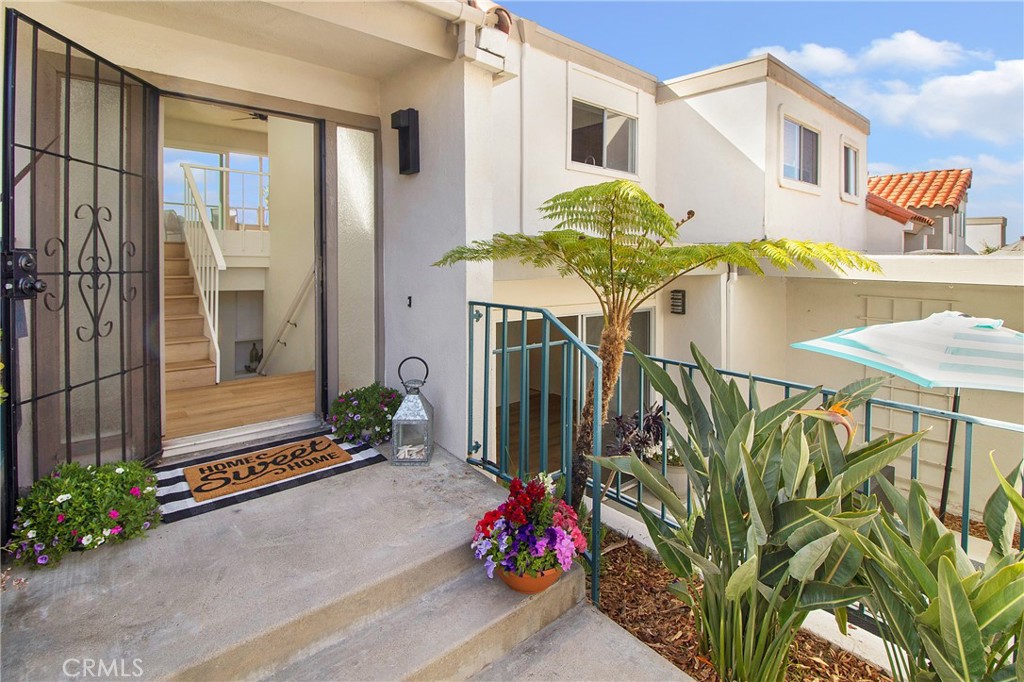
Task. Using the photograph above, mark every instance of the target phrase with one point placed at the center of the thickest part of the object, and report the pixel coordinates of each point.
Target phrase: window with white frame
(850, 170)
(800, 153)
(603, 138)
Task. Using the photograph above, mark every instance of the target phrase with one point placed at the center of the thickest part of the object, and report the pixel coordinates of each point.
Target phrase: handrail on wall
(288, 320)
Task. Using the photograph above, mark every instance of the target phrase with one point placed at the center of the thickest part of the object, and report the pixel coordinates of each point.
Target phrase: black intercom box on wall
(407, 123)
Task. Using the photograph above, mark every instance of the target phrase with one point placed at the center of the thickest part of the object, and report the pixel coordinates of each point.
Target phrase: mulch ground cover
(975, 529)
(634, 595)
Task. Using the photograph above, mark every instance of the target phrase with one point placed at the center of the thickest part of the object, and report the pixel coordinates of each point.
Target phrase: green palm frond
(622, 244)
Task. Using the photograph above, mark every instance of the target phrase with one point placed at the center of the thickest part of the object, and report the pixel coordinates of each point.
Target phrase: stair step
(189, 374)
(451, 632)
(181, 304)
(178, 284)
(188, 339)
(174, 250)
(175, 266)
(181, 326)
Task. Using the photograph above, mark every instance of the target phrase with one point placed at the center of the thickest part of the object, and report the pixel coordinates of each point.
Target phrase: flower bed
(634, 593)
(81, 508)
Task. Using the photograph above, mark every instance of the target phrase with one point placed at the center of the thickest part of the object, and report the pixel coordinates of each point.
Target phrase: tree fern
(623, 245)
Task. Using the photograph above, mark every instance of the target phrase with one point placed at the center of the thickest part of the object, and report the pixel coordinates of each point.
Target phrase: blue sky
(942, 82)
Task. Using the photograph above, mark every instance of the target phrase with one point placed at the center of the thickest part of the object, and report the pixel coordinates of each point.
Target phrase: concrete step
(450, 632)
(175, 250)
(177, 284)
(181, 304)
(175, 266)
(187, 348)
(583, 645)
(189, 374)
(177, 326)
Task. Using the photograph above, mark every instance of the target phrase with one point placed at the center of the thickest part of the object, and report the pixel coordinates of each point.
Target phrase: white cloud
(911, 50)
(988, 170)
(985, 104)
(811, 58)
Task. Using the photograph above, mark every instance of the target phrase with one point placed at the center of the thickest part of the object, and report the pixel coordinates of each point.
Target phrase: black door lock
(19, 274)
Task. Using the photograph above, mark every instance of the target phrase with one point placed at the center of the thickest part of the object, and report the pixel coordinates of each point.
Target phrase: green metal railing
(866, 416)
(573, 361)
(542, 348)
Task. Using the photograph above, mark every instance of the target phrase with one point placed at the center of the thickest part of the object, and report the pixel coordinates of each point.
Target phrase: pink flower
(113, 513)
(60, 518)
(116, 530)
(135, 491)
(74, 532)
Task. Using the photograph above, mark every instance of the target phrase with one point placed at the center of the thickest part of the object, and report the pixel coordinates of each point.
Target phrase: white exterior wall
(803, 211)
(530, 136)
(446, 204)
(985, 233)
(882, 235)
(712, 160)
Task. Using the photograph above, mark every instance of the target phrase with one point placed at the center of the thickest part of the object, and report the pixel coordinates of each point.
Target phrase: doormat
(217, 481)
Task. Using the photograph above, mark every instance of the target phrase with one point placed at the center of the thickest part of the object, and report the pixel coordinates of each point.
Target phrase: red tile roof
(928, 189)
(884, 207)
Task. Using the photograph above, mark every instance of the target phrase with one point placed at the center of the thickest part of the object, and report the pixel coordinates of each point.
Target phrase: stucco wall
(292, 158)
(882, 235)
(712, 160)
(530, 145)
(803, 211)
(446, 204)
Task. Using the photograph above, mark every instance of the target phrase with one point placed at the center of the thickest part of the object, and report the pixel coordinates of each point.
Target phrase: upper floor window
(850, 170)
(603, 138)
(800, 153)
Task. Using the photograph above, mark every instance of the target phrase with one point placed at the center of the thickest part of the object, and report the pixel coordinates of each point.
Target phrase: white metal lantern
(412, 427)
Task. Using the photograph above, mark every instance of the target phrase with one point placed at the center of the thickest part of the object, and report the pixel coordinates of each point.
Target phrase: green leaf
(795, 514)
(776, 414)
(861, 469)
(1000, 517)
(999, 602)
(823, 595)
(742, 436)
(742, 579)
(945, 667)
(719, 389)
(961, 637)
(795, 456)
(696, 465)
(831, 451)
(858, 392)
(772, 467)
(842, 563)
(661, 381)
(1019, 665)
(727, 525)
(808, 558)
(702, 422)
(774, 565)
(893, 496)
(656, 485)
(675, 560)
(757, 499)
(910, 563)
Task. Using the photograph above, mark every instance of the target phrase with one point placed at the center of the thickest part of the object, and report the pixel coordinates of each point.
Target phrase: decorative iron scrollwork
(50, 249)
(95, 263)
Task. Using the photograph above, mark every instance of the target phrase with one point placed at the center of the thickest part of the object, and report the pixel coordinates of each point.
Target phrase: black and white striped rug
(176, 501)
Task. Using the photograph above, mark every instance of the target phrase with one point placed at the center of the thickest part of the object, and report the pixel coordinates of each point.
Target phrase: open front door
(80, 259)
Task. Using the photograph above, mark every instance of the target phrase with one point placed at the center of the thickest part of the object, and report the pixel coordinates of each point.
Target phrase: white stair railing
(288, 321)
(205, 255)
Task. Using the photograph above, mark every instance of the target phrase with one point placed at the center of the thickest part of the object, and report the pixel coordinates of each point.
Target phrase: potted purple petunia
(531, 538)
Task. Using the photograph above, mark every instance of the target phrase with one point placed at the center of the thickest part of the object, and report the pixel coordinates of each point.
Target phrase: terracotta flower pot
(528, 584)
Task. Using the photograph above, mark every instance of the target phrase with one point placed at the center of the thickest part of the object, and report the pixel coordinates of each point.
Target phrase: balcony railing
(496, 357)
(524, 361)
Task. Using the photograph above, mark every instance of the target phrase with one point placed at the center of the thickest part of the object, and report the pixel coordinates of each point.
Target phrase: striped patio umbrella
(948, 349)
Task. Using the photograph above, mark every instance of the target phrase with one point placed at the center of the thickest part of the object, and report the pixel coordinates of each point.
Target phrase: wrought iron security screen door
(80, 266)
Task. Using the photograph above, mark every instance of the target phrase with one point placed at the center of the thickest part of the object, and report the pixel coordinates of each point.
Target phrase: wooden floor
(237, 403)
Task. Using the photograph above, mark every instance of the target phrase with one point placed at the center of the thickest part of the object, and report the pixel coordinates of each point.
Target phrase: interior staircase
(188, 349)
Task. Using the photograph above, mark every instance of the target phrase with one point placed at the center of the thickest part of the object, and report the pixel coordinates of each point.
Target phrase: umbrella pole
(949, 456)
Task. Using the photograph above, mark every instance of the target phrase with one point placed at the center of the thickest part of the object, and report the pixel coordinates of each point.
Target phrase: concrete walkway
(288, 580)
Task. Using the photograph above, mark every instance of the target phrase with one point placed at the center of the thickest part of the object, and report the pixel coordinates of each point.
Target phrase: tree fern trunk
(613, 346)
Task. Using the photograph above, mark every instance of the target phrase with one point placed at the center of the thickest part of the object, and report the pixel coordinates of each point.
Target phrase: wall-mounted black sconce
(678, 302)
(407, 123)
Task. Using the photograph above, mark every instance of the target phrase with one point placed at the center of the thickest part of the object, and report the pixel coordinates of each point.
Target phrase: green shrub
(363, 415)
(764, 482)
(81, 508)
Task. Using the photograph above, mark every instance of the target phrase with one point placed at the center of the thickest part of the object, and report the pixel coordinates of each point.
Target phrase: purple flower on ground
(54, 543)
(490, 565)
(39, 547)
(17, 555)
(145, 526)
(358, 417)
(16, 527)
(43, 559)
